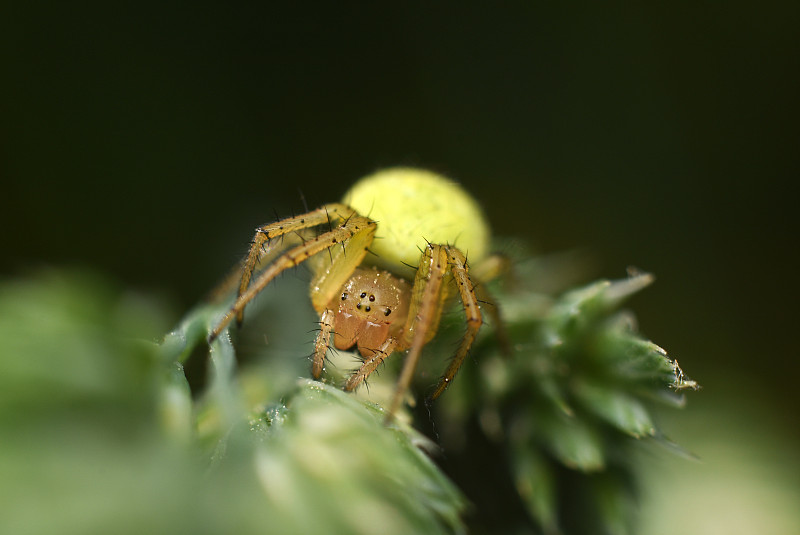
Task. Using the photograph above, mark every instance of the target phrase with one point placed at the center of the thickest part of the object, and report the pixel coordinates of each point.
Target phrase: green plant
(564, 409)
(102, 430)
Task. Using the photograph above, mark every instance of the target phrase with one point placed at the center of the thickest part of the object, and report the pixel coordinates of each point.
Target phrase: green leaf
(621, 410)
(105, 431)
(67, 342)
(175, 405)
(536, 485)
(614, 503)
(577, 309)
(572, 441)
(331, 453)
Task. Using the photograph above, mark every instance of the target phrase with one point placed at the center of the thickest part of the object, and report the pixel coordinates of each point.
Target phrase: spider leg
(354, 233)
(371, 364)
(268, 253)
(321, 343)
(488, 269)
(265, 233)
(497, 322)
(425, 311)
(472, 312)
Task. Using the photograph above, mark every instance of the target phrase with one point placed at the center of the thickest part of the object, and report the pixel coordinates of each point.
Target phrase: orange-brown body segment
(371, 307)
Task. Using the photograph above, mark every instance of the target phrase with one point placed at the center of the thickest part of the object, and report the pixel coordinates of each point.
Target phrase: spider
(419, 227)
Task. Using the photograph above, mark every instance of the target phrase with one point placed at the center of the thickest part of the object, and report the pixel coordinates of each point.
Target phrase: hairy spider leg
(372, 363)
(327, 214)
(349, 227)
(321, 344)
(488, 269)
(428, 297)
(268, 253)
(472, 312)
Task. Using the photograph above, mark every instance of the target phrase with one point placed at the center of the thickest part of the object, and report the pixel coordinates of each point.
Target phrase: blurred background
(146, 141)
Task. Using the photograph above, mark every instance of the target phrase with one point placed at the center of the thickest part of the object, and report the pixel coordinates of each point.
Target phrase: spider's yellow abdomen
(414, 207)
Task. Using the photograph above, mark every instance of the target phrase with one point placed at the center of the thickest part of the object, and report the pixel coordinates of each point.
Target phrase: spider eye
(372, 298)
(363, 295)
(366, 308)
(344, 296)
(388, 311)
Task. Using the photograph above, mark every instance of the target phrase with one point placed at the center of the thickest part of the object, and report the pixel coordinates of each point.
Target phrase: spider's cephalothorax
(368, 310)
(419, 226)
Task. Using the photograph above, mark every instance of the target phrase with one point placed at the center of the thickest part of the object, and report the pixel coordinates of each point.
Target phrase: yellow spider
(409, 219)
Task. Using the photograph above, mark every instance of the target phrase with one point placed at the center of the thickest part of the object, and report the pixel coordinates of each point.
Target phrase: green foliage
(567, 404)
(102, 429)
(102, 434)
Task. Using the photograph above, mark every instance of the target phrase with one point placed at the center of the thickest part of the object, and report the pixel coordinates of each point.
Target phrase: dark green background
(148, 140)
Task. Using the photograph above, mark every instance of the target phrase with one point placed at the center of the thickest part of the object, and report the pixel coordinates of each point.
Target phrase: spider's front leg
(371, 364)
(428, 297)
(472, 313)
(346, 228)
(321, 344)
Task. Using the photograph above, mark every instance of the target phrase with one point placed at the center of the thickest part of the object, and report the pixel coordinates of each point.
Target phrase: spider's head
(372, 306)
